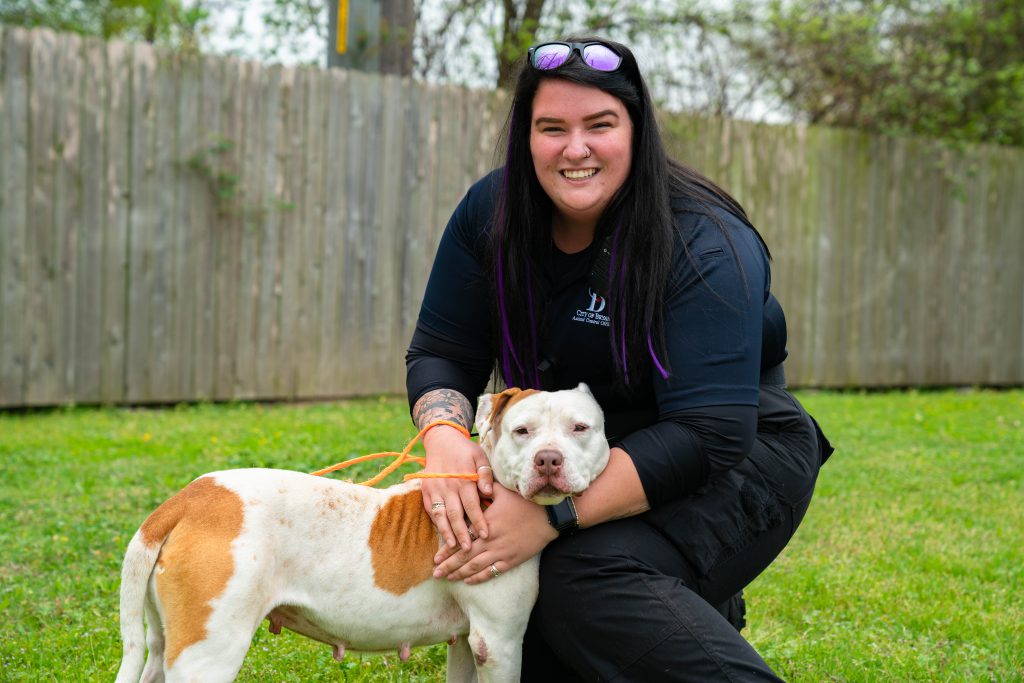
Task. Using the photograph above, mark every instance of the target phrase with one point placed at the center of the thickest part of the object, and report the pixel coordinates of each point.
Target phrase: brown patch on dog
(402, 544)
(200, 523)
(500, 403)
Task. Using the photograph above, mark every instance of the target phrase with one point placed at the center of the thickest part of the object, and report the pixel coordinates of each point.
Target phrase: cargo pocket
(721, 518)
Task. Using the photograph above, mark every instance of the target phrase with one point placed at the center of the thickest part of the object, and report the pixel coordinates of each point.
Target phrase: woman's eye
(580, 427)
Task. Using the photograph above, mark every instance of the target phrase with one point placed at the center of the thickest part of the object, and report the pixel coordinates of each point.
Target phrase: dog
(348, 565)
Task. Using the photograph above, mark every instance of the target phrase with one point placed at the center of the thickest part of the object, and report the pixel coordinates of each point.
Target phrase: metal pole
(353, 36)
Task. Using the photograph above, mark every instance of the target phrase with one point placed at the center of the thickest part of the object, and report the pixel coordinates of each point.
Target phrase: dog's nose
(547, 463)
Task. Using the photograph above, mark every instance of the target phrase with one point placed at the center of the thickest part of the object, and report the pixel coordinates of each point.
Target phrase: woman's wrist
(616, 493)
(442, 404)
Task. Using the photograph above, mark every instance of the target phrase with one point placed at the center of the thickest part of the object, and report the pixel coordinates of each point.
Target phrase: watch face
(562, 516)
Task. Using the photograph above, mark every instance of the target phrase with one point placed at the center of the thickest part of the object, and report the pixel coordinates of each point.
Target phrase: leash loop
(404, 457)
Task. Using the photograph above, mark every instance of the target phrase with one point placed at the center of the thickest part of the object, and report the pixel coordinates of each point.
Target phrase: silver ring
(494, 572)
(437, 506)
(472, 534)
(484, 467)
(587, 155)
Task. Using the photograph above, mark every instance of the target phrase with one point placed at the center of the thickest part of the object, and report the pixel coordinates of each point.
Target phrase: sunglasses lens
(601, 58)
(550, 56)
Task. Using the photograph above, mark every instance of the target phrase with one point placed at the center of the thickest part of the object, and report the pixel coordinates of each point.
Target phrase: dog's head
(544, 444)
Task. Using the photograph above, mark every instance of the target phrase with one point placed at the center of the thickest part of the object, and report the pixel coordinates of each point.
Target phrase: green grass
(909, 566)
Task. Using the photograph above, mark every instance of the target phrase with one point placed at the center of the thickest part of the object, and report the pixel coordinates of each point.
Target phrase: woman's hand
(519, 529)
(449, 502)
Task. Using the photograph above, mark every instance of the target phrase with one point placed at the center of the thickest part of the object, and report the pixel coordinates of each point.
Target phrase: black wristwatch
(563, 517)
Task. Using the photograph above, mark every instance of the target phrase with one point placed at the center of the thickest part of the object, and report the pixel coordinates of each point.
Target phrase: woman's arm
(520, 529)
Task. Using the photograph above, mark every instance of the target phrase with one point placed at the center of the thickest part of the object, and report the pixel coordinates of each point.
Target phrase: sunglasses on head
(599, 56)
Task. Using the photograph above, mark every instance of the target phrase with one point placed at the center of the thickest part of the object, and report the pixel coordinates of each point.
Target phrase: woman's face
(581, 139)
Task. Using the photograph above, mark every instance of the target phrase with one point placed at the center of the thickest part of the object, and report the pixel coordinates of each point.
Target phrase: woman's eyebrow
(588, 117)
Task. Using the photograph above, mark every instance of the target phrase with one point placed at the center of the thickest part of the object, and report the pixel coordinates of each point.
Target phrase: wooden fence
(177, 228)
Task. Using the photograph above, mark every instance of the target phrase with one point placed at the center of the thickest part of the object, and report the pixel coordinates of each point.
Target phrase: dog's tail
(139, 562)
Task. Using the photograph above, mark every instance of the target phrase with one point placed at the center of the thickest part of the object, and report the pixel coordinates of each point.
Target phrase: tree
(168, 22)
(941, 68)
(479, 42)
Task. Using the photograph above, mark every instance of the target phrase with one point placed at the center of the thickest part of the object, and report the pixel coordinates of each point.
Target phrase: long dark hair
(637, 224)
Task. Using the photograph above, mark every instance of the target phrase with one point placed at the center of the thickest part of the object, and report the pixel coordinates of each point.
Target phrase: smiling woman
(590, 256)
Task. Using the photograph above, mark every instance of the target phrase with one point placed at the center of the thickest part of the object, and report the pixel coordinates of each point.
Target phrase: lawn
(909, 566)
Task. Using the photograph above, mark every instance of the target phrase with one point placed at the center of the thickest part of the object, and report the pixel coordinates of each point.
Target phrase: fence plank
(14, 171)
(1008, 236)
(114, 229)
(229, 227)
(189, 265)
(200, 148)
(362, 165)
(310, 227)
(142, 191)
(165, 302)
(43, 382)
(416, 247)
(385, 284)
(339, 128)
(88, 276)
(289, 353)
(67, 208)
(267, 219)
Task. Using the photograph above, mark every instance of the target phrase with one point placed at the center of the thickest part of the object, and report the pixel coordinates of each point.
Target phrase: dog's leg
(461, 668)
(498, 655)
(216, 659)
(498, 612)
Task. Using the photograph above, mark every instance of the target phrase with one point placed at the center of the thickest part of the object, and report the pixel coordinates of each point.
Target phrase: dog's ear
(585, 389)
(489, 408)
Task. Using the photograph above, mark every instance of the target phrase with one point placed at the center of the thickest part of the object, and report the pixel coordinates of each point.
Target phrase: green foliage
(208, 163)
(938, 68)
(167, 22)
(907, 567)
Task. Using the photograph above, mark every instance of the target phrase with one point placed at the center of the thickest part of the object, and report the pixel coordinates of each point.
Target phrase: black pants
(632, 599)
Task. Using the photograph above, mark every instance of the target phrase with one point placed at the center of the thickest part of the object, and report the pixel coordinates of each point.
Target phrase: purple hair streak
(657, 364)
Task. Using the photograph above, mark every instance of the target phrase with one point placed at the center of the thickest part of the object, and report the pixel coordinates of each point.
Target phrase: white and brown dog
(344, 564)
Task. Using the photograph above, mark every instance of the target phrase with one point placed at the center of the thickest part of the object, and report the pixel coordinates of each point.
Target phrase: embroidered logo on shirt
(592, 314)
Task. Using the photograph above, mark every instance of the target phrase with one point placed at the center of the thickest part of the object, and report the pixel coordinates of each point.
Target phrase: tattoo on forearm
(442, 404)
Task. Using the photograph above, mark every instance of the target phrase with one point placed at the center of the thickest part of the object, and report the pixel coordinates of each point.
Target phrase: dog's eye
(521, 431)
(580, 427)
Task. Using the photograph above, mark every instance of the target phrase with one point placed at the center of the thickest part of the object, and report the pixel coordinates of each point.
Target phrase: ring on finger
(437, 506)
(484, 467)
(495, 573)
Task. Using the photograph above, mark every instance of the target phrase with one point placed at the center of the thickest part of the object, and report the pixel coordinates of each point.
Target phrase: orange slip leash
(404, 457)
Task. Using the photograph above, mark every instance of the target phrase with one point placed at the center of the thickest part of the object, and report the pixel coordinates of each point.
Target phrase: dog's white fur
(334, 560)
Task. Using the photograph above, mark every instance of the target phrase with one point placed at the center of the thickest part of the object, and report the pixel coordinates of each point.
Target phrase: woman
(590, 256)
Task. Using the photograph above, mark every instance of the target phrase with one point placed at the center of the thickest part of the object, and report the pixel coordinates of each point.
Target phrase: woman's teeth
(579, 175)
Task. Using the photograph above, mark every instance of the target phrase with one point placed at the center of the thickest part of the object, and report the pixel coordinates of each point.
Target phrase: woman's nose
(576, 149)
